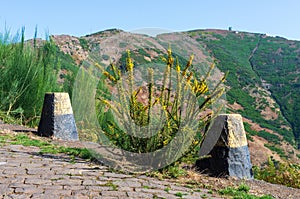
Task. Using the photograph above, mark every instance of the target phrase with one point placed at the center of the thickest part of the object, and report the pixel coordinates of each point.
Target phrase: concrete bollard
(57, 118)
(227, 149)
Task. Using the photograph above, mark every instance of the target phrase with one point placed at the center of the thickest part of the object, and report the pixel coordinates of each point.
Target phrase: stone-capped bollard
(227, 149)
(57, 118)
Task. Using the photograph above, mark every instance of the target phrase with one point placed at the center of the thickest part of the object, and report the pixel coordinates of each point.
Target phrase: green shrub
(26, 73)
(279, 173)
(162, 107)
(84, 43)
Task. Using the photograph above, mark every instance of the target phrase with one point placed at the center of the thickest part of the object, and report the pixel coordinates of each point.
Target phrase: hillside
(262, 84)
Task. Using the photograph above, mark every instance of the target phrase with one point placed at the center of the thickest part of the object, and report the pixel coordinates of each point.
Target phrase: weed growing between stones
(241, 192)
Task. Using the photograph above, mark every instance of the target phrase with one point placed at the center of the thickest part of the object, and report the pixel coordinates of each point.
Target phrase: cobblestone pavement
(24, 173)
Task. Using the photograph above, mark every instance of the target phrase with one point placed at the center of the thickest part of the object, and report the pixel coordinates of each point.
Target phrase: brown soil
(235, 106)
(259, 153)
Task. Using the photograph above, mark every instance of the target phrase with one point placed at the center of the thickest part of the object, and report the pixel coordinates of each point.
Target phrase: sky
(79, 18)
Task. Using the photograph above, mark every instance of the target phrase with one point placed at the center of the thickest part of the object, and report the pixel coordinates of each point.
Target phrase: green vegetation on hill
(249, 59)
(277, 61)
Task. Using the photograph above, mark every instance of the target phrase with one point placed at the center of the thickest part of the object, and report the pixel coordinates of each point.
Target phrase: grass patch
(179, 194)
(242, 192)
(167, 189)
(46, 147)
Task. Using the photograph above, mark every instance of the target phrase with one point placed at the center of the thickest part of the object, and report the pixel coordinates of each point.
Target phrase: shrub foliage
(178, 104)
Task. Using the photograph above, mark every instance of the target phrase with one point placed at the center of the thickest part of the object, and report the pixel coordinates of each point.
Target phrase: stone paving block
(58, 192)
(51, 187)
(54, 177)
(67, 182)
(28, 190)
(81, 177)
(166, 195)
(35, 171)
(114, 193)
(51, 196)
(92, 173)
(14, 171)
(11, 163)
(21, 185)
(116, 175)
(12, 179)
(99, 188)
(5, 180)
(38, 164)
(127, 183)
(37, 181)
(153, 191)
(4, 188)
(178, 188)
(196, 197)
(154, 185)
(17, 196)
(125, 189)
(73, 172)
(94, 182)
(89, 193)
(136, 195)
(77, 197)
(74, 188)
(155, 181)
(59, 171)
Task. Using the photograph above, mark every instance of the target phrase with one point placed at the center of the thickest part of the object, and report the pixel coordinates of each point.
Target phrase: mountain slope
(260, 68)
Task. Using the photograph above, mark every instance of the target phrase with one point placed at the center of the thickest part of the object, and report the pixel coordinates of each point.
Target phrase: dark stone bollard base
(225, 161)
(57, 118)
(226, 148)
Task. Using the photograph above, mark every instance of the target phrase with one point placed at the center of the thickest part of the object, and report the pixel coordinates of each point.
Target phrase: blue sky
(274, 17)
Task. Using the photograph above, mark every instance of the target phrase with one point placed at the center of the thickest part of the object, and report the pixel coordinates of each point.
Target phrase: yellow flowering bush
(179, 103)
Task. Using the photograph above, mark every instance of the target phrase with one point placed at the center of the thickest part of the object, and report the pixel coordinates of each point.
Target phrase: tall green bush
(27, 71)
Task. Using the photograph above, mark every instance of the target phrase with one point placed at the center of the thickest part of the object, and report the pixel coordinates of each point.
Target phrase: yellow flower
(98, 66)
(169, 51)
(200, 88)
(106, 103)
(164, 59)
(177, 65)
(110, 77)
(165, 142)
(129, 63)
